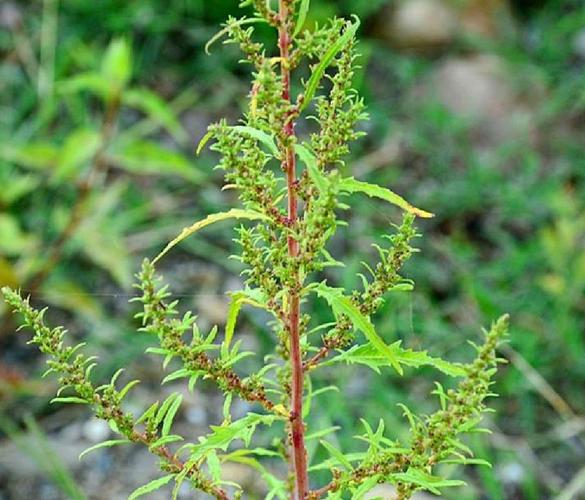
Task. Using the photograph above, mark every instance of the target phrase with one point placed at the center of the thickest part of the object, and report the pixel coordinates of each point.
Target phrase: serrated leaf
(234, 213)
(370, 356)
(104, 444)
(318, 72)
(150, 487)
(170, 415)
(351, 185)
(223, 435)
(342, 305)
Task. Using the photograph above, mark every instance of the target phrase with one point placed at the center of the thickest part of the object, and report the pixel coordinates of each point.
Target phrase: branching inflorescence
(292, 191)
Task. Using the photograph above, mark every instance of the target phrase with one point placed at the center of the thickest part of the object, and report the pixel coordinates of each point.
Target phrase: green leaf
(467, 461)
(104, 444)
(13, 241)
(210, 219)
(79, 148)
(181, 373)
(351, 185)
(259, 135)
(170, 416)
(157, 109)
(148, 414)
(277, 487)
(223, 435)
(302, 17)
(163, 441)
(93, 83)
(342, 305)
(240, 22)
(335, 453)
(15, 186)
(34, 156)
(70, 399)
(117, 64)
(204, 140)
(370, 356)
(252, 297)
(144, 157)
(127, 388)
(426, 481)
(101, 233)
(365, 487)
(309, 159)
(318, 72)
(162, 411)
(150, 487)
(232, 316)
(214, 466)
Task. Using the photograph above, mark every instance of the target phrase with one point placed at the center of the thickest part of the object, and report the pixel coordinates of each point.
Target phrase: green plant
(284, 255)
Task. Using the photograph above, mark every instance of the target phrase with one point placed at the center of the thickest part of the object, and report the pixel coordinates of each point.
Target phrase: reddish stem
(299, 453)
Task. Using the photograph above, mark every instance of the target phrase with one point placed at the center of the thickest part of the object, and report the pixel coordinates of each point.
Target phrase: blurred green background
(477, 114)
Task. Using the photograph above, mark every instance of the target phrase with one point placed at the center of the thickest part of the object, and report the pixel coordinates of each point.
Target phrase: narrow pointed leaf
(342, 305)
(150, 487)
(105, 444)
(351, 185)
(234, 213)
(319, 70)
(302, 17)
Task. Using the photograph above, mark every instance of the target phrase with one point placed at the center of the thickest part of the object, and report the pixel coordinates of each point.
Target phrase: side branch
(74, 370)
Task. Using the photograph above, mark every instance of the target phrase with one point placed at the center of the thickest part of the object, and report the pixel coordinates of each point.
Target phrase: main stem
(299, 453)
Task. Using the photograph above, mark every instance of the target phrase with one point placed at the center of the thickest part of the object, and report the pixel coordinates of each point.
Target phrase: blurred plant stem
(98, 168)
(46, 78)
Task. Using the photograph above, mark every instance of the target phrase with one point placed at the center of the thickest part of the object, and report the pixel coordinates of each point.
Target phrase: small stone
(512, 472)
(482, 89)
(10, 15)
(196, 416)
(213, 308)
(421, 24)
(96, 431)
(579, 43)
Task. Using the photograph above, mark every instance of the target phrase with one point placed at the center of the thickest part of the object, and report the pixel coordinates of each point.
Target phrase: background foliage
(503, 169)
